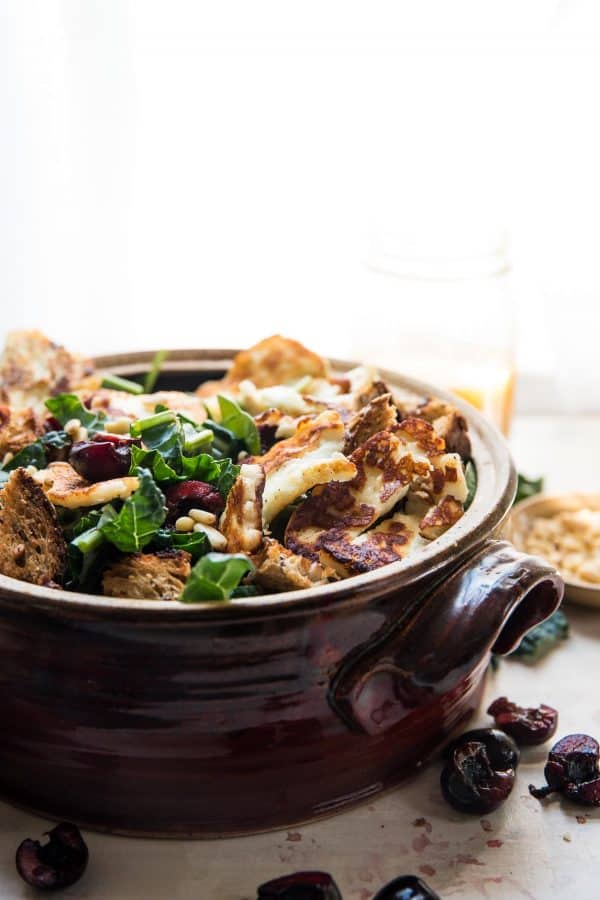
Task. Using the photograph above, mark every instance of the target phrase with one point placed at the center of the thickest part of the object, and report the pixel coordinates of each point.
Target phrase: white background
(177, 173)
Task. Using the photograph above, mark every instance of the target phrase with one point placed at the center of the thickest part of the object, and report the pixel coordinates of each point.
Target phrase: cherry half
(406, 887)
(572, 769)
(527, 725)
(480, 770)
(58, 863)
(300, 886)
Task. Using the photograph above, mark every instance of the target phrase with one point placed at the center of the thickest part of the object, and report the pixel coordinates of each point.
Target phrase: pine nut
(203, 516)
(217, 540)
(184, 523)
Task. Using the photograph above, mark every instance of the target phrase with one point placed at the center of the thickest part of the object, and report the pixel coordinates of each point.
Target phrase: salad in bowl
(279, 476)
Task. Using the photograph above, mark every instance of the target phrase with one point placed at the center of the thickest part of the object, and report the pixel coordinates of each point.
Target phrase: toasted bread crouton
(32, 368)
(311, 456)
(386, 468)
(276, 360)
(241, 522)
(65, 487)
(32, 546)
(440, 518)
(391, 540)
(278, 569)
(18, 429)
(378, 415)
(148, 576)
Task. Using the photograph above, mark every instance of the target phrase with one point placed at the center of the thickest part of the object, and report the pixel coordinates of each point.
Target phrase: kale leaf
(140, 517)
(215, 577)
(239, 423)
(65, 407)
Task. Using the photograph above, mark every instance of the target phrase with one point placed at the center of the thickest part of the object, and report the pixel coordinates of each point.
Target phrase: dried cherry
(300, 886)
(58, 863)
(480, 770)
(527, 725)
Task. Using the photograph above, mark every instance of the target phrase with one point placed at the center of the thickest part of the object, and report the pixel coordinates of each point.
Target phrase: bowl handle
(485, 606)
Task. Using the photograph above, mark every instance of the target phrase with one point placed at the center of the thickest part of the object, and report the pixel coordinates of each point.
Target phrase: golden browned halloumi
(241, 522)
(391, 540)
(32, 368)
(278, 569)
(448, 422)
(65, 487)
(378, 415)
(287, 399)
(448, 477)
(385, 469)
(439, 518)
(311, 456)
(117, 404)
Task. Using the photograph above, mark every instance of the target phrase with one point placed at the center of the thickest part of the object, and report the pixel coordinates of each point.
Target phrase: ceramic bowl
(576, 591)
(157, 718)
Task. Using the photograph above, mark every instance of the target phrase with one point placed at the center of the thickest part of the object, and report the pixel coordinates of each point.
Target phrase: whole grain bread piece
(148, 576)
(32, 546)
(278, 569)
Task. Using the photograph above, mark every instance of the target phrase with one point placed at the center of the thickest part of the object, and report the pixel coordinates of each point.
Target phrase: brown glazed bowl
(157, 718)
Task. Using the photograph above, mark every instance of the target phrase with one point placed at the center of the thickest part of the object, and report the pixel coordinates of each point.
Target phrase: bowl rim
(496, 489)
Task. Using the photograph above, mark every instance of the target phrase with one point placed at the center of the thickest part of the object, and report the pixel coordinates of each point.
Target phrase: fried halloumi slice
(275, 360)
(278, 569)
(311, 456)
(391, 540)
(63, 486)
(378, 415)
(117, 404)
(447, 478)
(287, 399)
(241, 522)
(32, 368)
(448, 422)
(439, 518)
(386, 467)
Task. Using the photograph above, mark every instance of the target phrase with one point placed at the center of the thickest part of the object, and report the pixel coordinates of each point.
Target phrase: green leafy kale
(195, 542)
(528, 487)
(239, 423)
(543, 638)
(140, 517)
(215, 577)
(88, 550)
(35, 454)
(164, 436)
(65, 407)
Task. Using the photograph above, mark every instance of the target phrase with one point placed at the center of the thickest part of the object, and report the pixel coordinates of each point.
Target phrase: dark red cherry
(572, 768)
(527, 725)
(300, 886)
(406, 887)
(58, 863)
(188, 495)
(100, 460)
(480, 770)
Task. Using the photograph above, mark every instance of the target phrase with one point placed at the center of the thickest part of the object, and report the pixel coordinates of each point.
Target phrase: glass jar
(445, 316)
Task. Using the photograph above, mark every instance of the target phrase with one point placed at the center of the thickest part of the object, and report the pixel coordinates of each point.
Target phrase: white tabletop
(524, 850)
